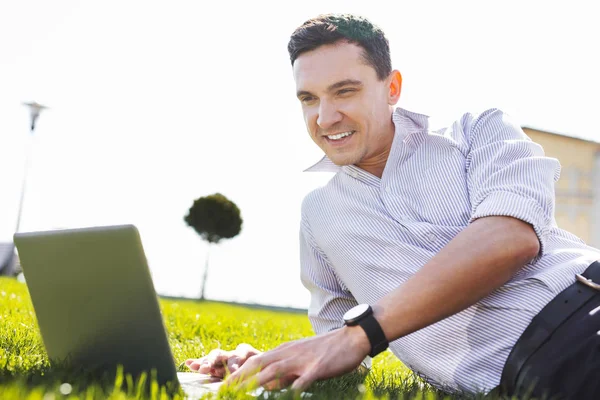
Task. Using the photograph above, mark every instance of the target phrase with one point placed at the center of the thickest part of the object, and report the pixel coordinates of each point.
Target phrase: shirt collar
(405, 122)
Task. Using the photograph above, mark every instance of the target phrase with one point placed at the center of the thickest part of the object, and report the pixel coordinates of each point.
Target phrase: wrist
(362, 315)
(358, 339)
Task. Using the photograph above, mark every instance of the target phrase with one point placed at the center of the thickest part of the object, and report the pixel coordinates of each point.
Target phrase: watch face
(356, 312)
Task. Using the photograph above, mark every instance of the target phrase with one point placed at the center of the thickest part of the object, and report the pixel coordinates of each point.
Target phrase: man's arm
(477, 261)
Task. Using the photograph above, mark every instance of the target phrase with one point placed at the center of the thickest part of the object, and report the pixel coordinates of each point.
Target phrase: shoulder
(478, 128)
(493, 121)
(468, 120)
(318, 199)
(471, 117)
(471, 121)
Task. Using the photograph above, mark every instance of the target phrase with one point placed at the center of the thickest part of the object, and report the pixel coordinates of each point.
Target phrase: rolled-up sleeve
(328, 300)
(509, 175)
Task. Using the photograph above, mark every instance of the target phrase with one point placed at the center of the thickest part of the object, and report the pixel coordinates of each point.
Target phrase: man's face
(346, 107)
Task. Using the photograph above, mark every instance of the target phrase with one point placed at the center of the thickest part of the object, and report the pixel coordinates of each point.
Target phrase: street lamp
(34, 110)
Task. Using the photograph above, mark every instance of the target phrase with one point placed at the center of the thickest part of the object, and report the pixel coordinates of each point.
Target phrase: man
(440, 242)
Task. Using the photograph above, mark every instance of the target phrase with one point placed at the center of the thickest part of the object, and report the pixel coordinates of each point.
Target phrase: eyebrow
(334, 86)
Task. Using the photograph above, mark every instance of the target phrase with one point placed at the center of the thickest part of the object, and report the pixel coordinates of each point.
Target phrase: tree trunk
(205, 273)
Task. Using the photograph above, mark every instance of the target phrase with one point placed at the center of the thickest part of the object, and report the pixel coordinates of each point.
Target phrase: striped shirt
(362, 236)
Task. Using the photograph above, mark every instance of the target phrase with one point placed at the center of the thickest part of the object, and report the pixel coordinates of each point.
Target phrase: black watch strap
(375, 334)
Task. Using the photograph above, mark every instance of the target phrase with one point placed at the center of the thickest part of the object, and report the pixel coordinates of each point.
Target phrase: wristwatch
(362, 315)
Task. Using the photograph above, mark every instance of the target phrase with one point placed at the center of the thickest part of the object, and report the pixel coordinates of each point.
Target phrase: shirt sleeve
(509, 175)
(328, 300)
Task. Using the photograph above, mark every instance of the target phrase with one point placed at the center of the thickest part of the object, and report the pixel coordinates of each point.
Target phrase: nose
(328, 115)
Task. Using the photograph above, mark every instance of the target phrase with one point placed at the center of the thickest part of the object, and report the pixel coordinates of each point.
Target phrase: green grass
(194, 328)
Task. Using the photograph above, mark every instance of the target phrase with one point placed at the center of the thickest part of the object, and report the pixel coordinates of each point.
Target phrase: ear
(395, 86)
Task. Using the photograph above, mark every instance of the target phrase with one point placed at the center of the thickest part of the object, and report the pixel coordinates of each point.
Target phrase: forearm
(477, 261)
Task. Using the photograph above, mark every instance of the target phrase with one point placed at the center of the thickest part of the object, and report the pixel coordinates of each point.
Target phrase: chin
(342, 160)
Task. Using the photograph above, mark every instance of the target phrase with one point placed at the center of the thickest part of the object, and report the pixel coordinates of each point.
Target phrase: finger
(304, 381)
(275, 371)
(204, 368)
(240, 355)
(214, 366)
(254, 364)
(220, 360)
(279, 384)
(201, 365)
(218, 372)
(245, 351)
(215, 358)
(191, 361)
(246, 371)
(234, 363)
(197, 364)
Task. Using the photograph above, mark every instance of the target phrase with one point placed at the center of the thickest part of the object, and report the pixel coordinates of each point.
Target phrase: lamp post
(34, 112)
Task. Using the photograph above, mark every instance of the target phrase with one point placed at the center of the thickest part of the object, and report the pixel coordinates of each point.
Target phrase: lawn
(194, 328)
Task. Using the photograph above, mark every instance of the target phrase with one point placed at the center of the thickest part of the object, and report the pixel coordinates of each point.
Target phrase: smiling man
(440, 243)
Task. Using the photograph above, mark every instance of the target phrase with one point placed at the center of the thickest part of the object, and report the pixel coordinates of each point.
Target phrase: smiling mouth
(339, 137)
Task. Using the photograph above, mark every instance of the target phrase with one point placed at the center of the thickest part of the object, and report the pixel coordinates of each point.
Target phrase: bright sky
(154, 104)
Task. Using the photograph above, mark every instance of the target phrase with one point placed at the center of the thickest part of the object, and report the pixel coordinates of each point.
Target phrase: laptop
(96, 305)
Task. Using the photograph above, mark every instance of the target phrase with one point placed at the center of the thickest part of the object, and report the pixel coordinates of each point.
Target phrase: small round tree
(214, 218)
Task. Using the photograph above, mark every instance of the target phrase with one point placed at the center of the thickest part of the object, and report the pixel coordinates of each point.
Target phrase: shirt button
(388, 189)
(354, 174)
(431, 237)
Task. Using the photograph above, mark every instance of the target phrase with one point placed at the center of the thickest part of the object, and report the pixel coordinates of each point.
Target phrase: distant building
(578, 189)
(9, 260)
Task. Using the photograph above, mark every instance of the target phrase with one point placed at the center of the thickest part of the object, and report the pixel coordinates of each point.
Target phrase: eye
(345, 91)
(307, 99)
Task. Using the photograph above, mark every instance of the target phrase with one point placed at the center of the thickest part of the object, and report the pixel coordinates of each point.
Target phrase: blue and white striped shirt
(362, 236)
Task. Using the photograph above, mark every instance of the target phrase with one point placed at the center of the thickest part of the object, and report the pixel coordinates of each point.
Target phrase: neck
(375, 163)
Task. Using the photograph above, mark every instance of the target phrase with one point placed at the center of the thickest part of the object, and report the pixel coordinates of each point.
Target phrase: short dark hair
(333, 28)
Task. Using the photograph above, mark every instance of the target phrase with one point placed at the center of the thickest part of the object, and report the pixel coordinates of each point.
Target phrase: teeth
(340, 135)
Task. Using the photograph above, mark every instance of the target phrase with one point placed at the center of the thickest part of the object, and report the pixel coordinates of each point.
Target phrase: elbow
(532, 248)
(521, 243)
(528, 243)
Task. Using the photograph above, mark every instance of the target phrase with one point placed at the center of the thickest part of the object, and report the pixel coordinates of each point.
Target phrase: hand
(217, 362)
(307, 360)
